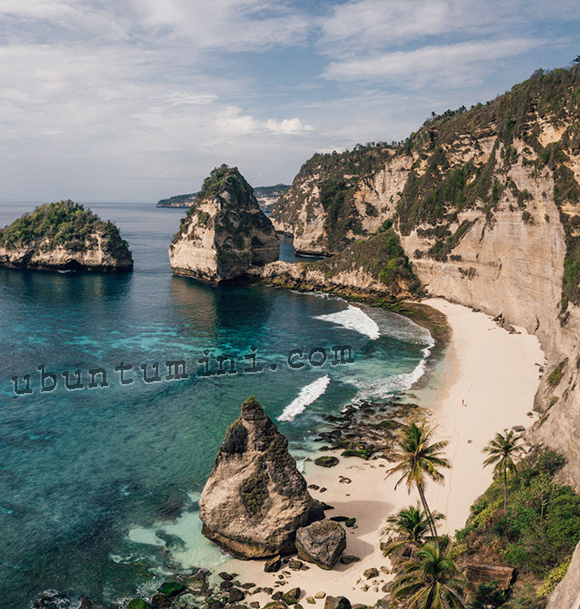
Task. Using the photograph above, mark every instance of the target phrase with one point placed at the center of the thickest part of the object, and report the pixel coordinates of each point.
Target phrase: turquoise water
(87, 475)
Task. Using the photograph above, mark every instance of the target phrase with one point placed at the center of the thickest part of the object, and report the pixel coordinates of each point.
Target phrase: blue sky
(135, 100)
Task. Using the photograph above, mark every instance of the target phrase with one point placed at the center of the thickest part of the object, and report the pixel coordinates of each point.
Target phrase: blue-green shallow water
(80, 469)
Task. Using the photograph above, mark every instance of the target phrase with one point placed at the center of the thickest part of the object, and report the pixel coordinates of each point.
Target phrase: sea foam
(354, 318)
(307, 395)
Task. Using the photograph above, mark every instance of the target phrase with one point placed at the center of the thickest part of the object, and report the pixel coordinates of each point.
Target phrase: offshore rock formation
(64, 236)
(255, 498)
(224, 232)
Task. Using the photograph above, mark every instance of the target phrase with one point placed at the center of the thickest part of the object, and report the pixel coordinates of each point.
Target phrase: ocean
(117, 390)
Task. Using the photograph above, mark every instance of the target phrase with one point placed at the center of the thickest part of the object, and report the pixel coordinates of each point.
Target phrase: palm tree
(502, 450)
(431, 580)
(411, 526)
(418, 460)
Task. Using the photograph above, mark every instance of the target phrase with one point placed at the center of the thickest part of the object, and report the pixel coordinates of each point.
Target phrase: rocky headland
(64, 236)
(224, 233)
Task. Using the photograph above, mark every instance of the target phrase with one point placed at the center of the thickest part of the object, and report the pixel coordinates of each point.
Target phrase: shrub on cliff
(64, 224)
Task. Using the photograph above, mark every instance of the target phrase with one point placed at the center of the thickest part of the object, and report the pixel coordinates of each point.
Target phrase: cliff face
(224, 232)
(255, 498)
(487, 205)
(64, 236)
(376, 268)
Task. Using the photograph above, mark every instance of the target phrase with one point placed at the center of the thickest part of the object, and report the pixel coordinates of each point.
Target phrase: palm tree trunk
(505, 487)
(426, 508)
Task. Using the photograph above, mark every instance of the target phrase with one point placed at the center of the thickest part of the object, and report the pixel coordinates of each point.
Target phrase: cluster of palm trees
(427, 577)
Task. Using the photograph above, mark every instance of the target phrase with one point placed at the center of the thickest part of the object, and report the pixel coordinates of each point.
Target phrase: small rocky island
(64, 236)
(255, 503)
(224, 233)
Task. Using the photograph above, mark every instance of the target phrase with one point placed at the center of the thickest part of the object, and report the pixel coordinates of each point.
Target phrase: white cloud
(235, 25)
(457, 65)
(366, 24)
(288, 126)
(231, 121)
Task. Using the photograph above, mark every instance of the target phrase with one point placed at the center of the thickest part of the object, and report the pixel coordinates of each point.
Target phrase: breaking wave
(307, 395)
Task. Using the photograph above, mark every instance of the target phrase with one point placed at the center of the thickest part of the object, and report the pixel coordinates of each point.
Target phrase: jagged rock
(321, 543)
(224, 232)
(226, 585)
(291, 597)
(326, 461)
(337, 602)
(295, 565)
(273, 565)
(226, 576)
(371, 573)
(310, 600)
(64, 236)
(320, 594)
(255, 498)
(236, 595)
(160, 600)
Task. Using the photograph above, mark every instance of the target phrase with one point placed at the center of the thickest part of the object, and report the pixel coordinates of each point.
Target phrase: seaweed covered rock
(64, 236)
(321, 543)
(224, 232)
(255, 498)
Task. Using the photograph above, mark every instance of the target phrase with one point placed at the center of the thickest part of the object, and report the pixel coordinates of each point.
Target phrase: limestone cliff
(224, 232)
(487, 204)
(373, 269)
(64, 236)
(255, 498)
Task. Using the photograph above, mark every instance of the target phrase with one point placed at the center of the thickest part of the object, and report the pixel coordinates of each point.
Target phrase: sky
(138, 100)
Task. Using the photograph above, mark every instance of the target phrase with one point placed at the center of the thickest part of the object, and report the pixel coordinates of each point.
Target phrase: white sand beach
(489, 381)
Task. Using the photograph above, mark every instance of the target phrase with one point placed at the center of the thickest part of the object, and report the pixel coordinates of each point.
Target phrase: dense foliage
(381, 256)
(64, 224)
(536, 534)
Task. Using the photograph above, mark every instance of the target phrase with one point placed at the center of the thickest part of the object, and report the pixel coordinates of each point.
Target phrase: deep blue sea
(98, 486)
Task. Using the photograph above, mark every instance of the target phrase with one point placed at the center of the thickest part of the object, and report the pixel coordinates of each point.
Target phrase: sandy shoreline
(495, 374)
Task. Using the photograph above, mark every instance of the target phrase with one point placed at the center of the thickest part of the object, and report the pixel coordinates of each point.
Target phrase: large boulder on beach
(225, 232)
(255, 498)
(321, 543)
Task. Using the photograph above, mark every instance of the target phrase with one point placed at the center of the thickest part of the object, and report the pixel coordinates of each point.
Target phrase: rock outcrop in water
(64, 236)
(255, 498)
(224, 232)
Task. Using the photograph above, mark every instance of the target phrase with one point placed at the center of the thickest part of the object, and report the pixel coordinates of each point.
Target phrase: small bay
(88, 474)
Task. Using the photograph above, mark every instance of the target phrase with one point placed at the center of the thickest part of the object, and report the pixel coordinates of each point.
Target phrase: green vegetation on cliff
(340, 178)
(235, 197)
(452, 170)
(65, 225)
(537, 533)
(381, 257)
